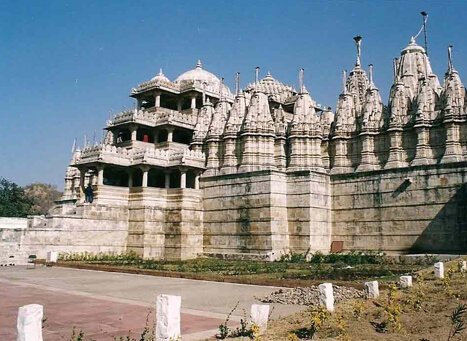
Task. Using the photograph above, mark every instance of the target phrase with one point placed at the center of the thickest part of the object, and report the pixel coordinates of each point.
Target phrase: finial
(425, 19)
(74, 146)
(199, 65)
(358, 42)
(256, 75)
(268, 75)
(237, 83)
(344, 79)
(85, 142)
(301, 75)
(450, 59)
(221, 87)
(370, 73)
(160, 72)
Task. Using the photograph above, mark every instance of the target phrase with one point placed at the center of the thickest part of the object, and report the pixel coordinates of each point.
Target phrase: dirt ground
(425, 311)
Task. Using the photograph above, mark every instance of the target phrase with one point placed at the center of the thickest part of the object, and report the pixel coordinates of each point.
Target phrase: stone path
(105, 305)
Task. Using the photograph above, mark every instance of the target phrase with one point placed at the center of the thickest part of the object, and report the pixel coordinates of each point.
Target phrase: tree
(13, 201)
(43, 196)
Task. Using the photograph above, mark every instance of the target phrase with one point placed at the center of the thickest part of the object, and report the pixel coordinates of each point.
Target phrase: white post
(405, 281)
(183, 178)
(168, 317)
(167, 179)
(197, 181)
(439, 270)
(259, 315)
(326, 296)
(372, 289)
(52, 257)
(29, 323)
(145, 177)
(193, 102)
(463, 266)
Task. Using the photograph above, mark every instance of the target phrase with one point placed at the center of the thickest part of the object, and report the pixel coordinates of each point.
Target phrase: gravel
(310, 295)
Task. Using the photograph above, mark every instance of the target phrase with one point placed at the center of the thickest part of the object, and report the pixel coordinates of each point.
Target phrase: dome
(160, 77)
(198, 74)
(272, 87)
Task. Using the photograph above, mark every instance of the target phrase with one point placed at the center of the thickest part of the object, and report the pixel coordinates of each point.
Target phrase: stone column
(368, 160)
(100, 175)
(145, 176)
(167, 179)
(157, 99)
(133, 131)
(82, 176)
(193, 102)
(422, 151)
(396, 158)
(138, 103)
(170, 134)
(197, 181)
(156, 136)
(453, 152)
(182, 178)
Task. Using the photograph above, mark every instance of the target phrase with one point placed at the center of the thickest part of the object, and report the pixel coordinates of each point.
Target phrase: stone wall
(246, 214)
(12, 231)
(400, 210)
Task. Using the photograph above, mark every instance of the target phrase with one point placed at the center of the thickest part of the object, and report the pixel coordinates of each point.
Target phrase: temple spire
(237, 83)
(256, 75)
(394, 69)
(358, 43)
(370, 74)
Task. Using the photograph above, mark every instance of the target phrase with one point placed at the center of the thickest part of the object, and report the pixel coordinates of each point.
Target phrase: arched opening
(123, 135)
(145, 135)
(190, 179)
(182, 136)
(175, 178)
(114, 176)
(137, 177)
(156, 178)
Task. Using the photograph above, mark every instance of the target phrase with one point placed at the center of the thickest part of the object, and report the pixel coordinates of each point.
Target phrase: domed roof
(160, 77)
(198, 74)
(272, 87)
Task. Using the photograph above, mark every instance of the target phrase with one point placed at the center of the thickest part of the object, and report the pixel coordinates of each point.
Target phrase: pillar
(167, 179)
(396, 157)
(422, 150)
(100, 175)
(326, 296)
(168, 317)
(193, 102)
(29, 322)
(82, 175)
(453, 152)
(130, 178)
(197, 181)
(156, 136)
(182, 178)
(170, 132)
(145, 176)
(133, 131)
(157, 99)
(138, 103)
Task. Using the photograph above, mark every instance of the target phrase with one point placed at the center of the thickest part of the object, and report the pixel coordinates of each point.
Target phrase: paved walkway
(105, 305)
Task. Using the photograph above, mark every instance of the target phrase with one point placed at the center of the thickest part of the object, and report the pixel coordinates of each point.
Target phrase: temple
(196, 170)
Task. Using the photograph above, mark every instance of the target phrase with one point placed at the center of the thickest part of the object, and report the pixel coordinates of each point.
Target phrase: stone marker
(52, 257)
(406, 281)
(326, 296)
(372, 289)
(439, 270)
(168, 317)
(259, 315)
(29, 323)
(463, 266)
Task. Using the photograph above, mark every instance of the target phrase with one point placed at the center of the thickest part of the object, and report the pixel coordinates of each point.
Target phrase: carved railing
(156, 116)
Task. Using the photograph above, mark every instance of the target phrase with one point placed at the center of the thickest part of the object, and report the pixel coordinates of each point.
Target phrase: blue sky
(65, 66)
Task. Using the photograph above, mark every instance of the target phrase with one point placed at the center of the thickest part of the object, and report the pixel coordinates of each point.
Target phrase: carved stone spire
(358, 43)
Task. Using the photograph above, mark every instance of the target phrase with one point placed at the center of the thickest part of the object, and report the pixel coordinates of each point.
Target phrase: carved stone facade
(196, 170)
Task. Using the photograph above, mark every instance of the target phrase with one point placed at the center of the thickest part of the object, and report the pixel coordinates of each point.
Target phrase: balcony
(157, 116)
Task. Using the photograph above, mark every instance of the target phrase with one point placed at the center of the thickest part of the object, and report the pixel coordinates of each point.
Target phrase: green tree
(13, 200)
(43, 196)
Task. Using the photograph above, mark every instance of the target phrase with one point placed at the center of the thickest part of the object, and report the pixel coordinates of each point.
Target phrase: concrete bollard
(463, 266)
(439, 270)
(372, 289)
(29, 323)
(52, 257)
(326, 296)
(405, 281)
(168, 317)
(259, 315)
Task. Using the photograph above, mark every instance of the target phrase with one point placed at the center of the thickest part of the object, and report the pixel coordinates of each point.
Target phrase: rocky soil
(310, 295)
